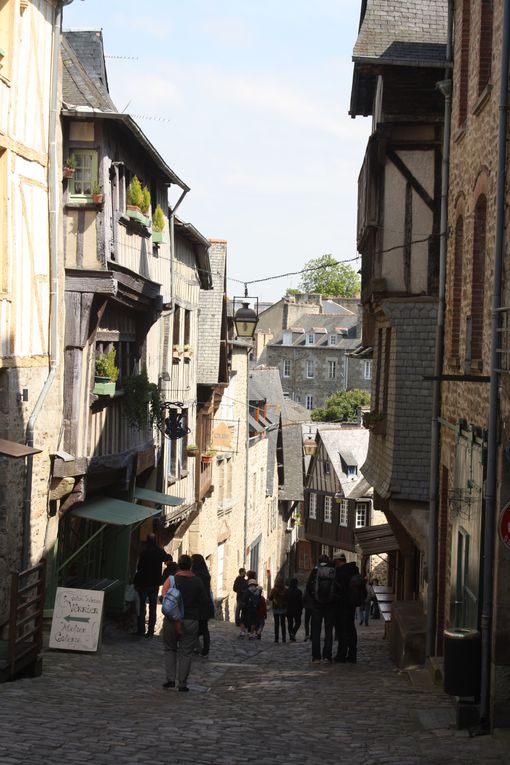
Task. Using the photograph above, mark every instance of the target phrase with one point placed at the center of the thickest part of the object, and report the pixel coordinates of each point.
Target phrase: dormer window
(287, 338)
(352, 471)
(310, 338)
(332, 339)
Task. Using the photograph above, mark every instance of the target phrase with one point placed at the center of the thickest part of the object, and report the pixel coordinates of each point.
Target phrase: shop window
(85, 175)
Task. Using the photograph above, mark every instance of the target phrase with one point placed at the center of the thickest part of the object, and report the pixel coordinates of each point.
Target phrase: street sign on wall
(77, 617)
(504, 525)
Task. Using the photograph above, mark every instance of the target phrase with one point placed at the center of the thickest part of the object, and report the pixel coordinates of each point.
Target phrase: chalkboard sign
(76, 622)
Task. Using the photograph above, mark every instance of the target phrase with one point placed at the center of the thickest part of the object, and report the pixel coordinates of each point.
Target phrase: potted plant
(177, 352)
(191, 450)
(188, 351)
(375, 422)
(146, 200)
(97, 193)
(136, 202)
(158, 225)
(208, 456)
(141, 400)
(70, 166)
(107, 374)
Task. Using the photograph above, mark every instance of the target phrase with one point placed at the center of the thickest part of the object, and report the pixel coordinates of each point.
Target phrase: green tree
(330, 278)
(342, 406)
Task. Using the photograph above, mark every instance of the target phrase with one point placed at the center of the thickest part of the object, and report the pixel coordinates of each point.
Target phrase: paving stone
(249, 702)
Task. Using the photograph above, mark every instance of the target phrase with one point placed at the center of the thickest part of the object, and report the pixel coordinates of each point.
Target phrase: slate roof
(349, 441)
(265, 385)
(323, 326)
(84, 80)
(412, 33)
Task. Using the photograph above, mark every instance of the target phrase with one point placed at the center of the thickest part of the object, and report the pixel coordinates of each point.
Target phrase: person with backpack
(249, 608)
(180, 625)
(294, 608)
(351, 593)
(322, 591)
(278, 597)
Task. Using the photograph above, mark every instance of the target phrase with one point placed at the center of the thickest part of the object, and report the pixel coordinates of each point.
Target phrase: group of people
(180, 637)
(333, 592)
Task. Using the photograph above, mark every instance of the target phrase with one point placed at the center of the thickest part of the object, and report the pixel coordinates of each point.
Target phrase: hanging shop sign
(222, 437)
(77, 618)
(504, 525)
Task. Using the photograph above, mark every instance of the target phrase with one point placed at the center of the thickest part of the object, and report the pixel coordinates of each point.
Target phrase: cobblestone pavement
(250, 701)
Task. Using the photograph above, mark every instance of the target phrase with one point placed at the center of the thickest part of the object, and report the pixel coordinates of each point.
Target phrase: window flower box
(158, 237)
(134, 213)
(375, 422)
(103, 386)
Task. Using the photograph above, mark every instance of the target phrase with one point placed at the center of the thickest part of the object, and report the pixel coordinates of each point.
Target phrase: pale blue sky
(250, 102)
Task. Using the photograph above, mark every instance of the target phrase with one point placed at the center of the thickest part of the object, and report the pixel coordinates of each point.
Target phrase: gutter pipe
(53, 181)
(435, 440)
(492, 438)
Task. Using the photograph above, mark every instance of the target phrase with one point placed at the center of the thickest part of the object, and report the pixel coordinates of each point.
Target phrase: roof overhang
(15, 450)
(157, 497)
(115, 512)
(376, 539)
(83, 112)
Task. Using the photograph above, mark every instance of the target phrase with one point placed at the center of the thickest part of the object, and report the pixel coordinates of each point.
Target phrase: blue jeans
(150, 594)
(364, 612)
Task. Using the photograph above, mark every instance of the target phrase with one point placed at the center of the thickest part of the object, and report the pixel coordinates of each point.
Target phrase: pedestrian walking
(364, 609)
(240, 587)
(170, 569)
(261, 615)
(321, 589)
(278, 597)
(147, 581)
(199, 568)
(249, 609)
(351, 593)
(180, 637)
(308, 606)
(294, 608)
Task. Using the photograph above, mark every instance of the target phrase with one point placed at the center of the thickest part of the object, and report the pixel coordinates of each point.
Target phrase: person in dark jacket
(170, 569)
(250, 608)
(180, 637)
(294, 608)
(147, 581)
(345, 610)
(240, 587)
(321, 590)
(278, 597)
(199, 568)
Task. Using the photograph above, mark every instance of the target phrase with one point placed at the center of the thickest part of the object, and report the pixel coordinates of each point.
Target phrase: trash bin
(462, 657)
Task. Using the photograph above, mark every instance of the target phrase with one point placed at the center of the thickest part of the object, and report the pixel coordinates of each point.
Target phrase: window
(309, 369)
(352, 471)
(361, 514)
(309, 402)
(464, 61)
(310, 338)
(344, 507)
(325, 550)
(286, 368)
(367, 369)
(478, 278)
(328, 509)
(85, 174)
(327, 467)
(332, 339)
(331, 370)
(312, 505)
(456, 297)
(484, 62)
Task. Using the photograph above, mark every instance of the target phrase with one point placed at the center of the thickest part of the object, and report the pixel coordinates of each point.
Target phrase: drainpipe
(492, 439)
(53, 180)
(247, 458)
(445, 86)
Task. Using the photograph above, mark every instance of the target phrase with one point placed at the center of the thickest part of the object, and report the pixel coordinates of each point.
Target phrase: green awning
(113, 511)
(157, 497)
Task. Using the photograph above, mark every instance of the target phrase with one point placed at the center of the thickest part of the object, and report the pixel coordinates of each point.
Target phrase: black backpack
(324, 586)
(357, 590)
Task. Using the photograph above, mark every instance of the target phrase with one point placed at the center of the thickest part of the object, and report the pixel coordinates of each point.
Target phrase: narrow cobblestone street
(250, 701)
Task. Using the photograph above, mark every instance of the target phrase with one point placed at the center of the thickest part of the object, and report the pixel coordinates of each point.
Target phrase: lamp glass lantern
(245, 318)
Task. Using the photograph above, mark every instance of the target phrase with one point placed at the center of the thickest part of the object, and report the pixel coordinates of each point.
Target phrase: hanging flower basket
(191, 450)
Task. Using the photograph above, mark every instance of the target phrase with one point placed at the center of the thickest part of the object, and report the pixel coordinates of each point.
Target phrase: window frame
(94, 176)
(328, 509)
(310, 369)
(332, 339)
(309, 402)
(331, 369)
(361, 515)
(343, 515)
(308, 336)
(286, 368)
(367, 369)
(312, 506)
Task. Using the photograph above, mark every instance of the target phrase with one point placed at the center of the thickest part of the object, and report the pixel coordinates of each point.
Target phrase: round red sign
(504, 525)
